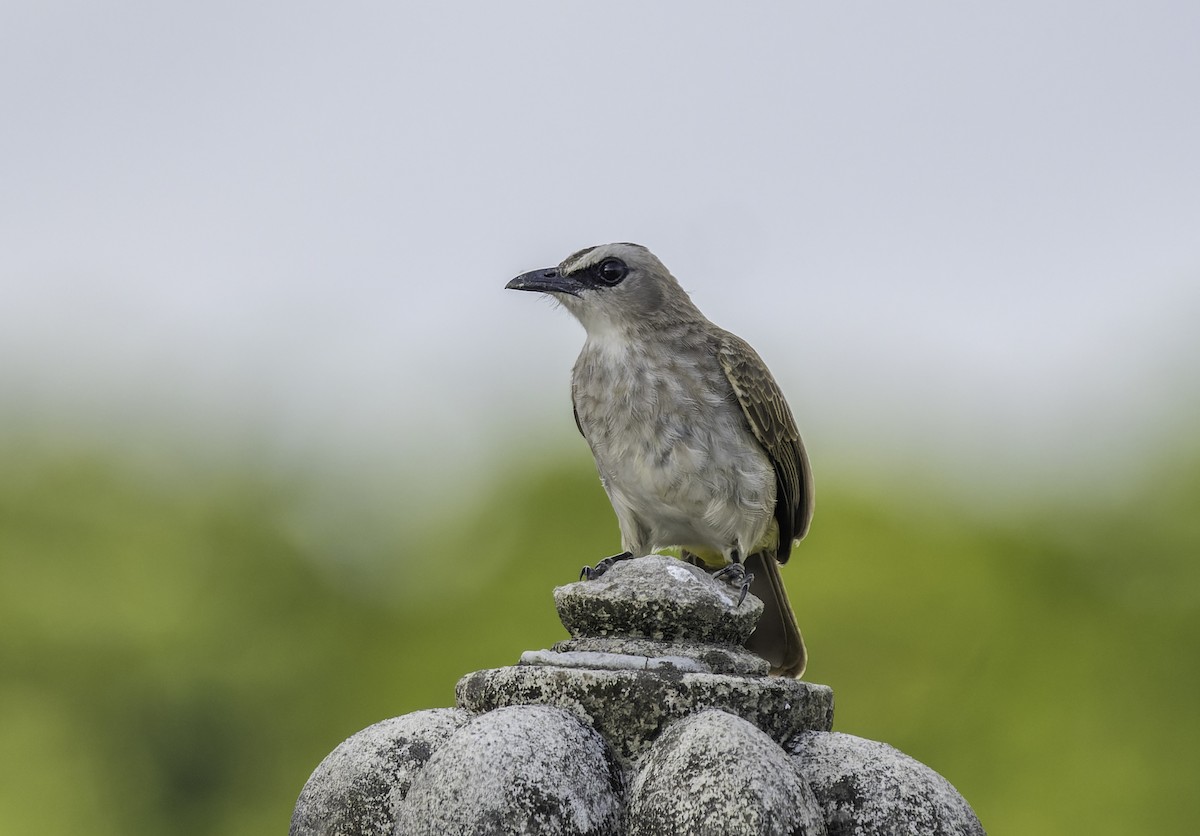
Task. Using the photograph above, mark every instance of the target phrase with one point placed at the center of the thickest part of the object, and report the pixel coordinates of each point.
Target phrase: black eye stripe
(609, 272)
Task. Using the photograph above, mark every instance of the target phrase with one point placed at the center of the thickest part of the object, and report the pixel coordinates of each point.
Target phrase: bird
(694, 442)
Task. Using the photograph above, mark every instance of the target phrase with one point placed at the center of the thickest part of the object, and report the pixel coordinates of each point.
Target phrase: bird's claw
(590, 573)
(736, 575)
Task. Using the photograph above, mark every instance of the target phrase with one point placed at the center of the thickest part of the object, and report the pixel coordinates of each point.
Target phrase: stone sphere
(871, 789)
(358, 788)
(525, 769)
(714, 774)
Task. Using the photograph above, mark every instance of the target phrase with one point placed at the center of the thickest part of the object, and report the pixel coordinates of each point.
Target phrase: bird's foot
(736, 575)
(603, 566)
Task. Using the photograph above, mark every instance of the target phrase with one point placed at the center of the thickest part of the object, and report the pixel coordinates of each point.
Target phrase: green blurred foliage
(176, 655)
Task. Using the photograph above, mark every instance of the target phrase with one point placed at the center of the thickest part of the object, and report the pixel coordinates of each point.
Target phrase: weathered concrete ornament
(651, 719)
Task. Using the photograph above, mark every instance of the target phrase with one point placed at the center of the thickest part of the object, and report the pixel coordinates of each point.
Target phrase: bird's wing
(575, 412)
(772, 423)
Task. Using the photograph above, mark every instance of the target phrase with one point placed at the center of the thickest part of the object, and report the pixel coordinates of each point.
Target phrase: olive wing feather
(771, 422)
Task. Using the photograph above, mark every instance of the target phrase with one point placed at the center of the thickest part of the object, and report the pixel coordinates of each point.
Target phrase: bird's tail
(777, 637)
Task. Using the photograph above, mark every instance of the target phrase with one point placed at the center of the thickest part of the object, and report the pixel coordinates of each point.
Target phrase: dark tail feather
(777, 637)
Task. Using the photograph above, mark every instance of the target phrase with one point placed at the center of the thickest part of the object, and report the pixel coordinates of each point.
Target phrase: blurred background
(280, 458)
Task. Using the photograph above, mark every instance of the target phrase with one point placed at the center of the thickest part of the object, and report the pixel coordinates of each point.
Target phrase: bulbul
(693, 440)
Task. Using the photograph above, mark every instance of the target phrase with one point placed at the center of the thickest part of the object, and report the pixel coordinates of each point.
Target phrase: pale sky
(966, 229)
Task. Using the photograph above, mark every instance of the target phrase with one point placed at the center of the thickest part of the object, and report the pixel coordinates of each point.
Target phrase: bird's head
(612, 287)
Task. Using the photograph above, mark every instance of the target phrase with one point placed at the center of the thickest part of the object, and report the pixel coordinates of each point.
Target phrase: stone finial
(657, 598)
(653, 718)
(655, 640)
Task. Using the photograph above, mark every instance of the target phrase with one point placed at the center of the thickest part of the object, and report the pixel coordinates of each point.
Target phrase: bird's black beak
(546, 281)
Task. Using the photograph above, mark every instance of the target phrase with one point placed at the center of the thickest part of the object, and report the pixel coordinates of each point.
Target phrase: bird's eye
(612, 271)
